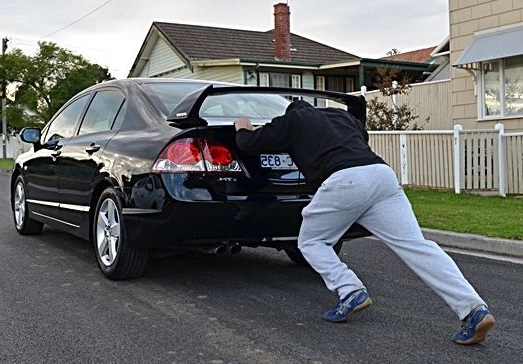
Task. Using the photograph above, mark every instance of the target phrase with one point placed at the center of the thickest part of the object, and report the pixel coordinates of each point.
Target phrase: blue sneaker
(475, 327)
(348, 306)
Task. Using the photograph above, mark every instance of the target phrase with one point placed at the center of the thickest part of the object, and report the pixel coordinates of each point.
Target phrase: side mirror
(31, 135)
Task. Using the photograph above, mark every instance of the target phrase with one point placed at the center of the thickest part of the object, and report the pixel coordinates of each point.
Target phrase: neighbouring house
(438, 55)
(486, 39)
(273, 58)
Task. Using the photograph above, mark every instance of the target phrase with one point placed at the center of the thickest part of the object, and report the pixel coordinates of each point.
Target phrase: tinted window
(64, 123)
(102, 112)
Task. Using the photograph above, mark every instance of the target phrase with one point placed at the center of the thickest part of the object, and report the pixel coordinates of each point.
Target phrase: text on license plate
(277, 161)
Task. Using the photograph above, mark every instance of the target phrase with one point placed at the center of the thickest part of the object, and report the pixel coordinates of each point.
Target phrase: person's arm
(273, 137)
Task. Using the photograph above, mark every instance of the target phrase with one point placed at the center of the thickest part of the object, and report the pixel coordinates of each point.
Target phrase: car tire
(23, 223)
(116, 259)
(297, 257)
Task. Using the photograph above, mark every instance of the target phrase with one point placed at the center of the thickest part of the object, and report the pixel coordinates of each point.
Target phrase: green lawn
(467, 213)
(6, 164)
(444, 210)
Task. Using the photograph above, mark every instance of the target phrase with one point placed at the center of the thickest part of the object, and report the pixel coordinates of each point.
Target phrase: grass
(444, 210)
(6, 164)
(467, 213)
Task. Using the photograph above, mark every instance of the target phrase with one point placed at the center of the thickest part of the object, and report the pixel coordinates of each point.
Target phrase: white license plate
(277, 161)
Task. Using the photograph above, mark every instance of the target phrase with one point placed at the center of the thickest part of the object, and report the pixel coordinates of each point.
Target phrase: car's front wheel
(116, 259)
(297, 257)
(23, 223)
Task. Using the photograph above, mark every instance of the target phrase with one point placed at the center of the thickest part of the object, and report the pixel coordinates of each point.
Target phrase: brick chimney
(282, 32)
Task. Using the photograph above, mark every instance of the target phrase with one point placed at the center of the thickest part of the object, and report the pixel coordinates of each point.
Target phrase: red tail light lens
(196, 155)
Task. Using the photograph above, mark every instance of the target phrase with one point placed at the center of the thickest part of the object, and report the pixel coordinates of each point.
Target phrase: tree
(382, 115)
(41, 84)
(393, 52)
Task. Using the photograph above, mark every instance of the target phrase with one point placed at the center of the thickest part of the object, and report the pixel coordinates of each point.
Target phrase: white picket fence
(13, 146)
(463, 160)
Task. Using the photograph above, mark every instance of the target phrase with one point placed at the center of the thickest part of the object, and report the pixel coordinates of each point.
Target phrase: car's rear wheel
(23, 223)
(116, 259)
(297, 257)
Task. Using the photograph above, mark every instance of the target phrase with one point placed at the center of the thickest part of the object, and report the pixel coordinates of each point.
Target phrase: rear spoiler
(187, 111)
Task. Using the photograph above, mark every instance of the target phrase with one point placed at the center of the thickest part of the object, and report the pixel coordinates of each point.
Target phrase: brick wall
(466, 18)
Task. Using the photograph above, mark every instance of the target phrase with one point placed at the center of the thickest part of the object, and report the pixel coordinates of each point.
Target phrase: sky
(111, 32)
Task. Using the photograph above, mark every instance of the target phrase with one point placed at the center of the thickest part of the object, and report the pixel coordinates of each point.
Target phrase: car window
(250, 105)
(229, 105)
(64, 123)
(102, 112)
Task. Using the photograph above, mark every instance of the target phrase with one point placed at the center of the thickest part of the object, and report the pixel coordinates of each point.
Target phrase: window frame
(86, 97)
(121, 109)
(481, 105)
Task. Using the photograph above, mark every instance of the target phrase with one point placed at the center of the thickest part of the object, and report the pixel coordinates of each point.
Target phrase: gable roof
(196, 42)
(417, 56)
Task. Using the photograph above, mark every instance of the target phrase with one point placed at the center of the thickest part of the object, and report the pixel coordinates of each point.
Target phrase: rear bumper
(197, 210)
(193, 222)
(246, 222)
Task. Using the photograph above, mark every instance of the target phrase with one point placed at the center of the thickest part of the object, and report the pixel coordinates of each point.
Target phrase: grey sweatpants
(371, 196)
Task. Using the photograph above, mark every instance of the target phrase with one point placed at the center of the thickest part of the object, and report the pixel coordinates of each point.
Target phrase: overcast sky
(110, 32)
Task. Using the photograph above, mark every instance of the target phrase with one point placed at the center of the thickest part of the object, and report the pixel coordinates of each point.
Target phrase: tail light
(196, 155)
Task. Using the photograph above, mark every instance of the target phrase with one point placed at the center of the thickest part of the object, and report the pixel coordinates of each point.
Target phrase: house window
(279, 79)
(335, 84)
(264, 79)
(275, 79)
(296, 81)
(502, 87)
(320, 83)
(349, 84)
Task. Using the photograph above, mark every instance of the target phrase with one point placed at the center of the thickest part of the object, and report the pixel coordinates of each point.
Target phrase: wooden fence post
(501, 159)
(404, 160)
(457, 167)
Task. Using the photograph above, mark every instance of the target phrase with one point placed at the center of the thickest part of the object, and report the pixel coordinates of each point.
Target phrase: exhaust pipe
(222, 249)
(234, 248)
(213, 250)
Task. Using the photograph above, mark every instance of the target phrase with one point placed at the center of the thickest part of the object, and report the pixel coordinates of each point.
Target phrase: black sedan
(147, 165)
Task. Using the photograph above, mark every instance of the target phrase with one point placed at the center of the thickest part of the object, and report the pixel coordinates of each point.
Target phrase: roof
(196, 42)
(417, 56)
(490, 45)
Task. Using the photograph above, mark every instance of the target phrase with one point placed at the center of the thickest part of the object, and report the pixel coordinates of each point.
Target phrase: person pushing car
(354, 185)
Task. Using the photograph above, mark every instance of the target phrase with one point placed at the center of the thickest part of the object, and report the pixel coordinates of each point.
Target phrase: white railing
(463, 160)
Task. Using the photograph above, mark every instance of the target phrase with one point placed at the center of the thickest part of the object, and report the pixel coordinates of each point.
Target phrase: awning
(493, 45)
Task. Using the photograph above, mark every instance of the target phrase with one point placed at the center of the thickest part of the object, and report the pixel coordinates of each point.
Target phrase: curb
(471, 242)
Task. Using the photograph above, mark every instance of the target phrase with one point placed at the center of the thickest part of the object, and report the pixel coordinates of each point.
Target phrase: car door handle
(92, 148)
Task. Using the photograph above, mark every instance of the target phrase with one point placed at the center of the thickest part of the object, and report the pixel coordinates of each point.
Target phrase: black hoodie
(320, 141)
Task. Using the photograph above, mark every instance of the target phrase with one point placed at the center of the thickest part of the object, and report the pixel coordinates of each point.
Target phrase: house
(273, 58)
(486, 43)
(436, 55)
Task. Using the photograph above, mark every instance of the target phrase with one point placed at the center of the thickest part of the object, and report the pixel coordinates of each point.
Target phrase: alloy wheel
(108, 232)
(19, 205)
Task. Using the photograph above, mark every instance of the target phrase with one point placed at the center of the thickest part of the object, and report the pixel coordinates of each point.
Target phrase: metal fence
(463, 160)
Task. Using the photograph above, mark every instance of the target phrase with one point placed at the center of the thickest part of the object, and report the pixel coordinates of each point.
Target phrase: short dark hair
(298, 104)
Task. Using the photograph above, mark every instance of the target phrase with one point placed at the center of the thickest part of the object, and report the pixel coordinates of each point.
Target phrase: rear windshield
(254, 106)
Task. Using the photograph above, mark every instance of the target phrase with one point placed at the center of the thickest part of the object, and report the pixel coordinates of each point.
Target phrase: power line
(77, 20)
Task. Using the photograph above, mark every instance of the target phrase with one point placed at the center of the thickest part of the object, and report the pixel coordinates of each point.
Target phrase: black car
(146, 165)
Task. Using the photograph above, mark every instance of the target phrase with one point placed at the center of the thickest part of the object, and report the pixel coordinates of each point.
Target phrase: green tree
(39, 85)
(383, 115)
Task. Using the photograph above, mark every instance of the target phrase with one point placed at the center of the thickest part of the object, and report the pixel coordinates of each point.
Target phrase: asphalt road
(255, 307)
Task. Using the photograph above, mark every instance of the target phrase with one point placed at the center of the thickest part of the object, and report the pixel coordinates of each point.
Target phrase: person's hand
(243, 123)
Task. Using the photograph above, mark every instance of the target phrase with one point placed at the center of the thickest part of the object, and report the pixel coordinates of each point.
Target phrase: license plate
(277, 161)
